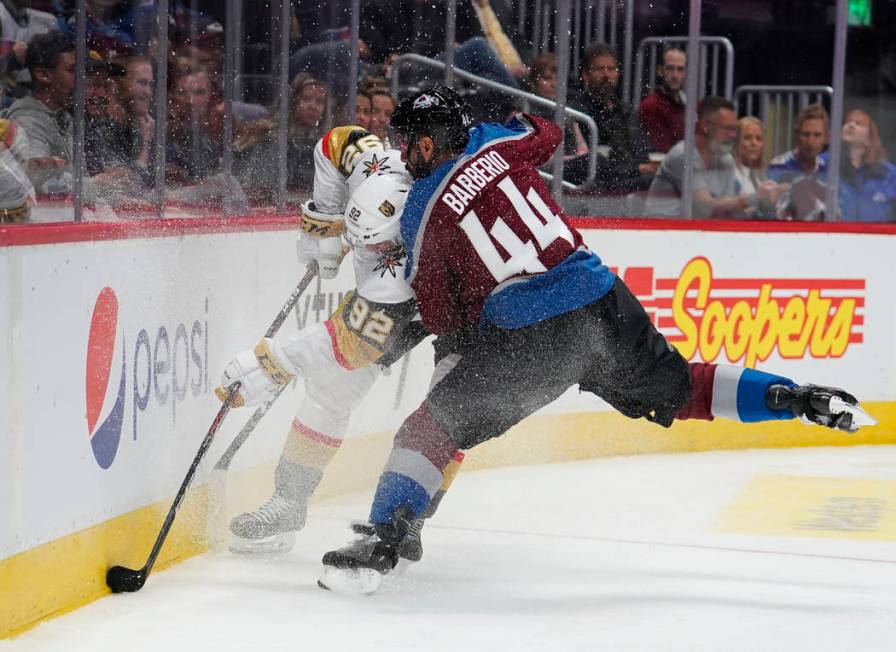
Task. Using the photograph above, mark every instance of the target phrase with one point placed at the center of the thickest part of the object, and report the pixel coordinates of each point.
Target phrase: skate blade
(859, 416)
(350, 581)
(277, 544)
(401, 567)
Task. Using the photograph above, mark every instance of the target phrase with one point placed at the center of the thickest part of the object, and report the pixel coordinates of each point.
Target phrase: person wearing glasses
(715, 181)
(662, 112)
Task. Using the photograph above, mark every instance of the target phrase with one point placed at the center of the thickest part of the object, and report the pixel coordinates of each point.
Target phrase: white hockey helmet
(374, 210)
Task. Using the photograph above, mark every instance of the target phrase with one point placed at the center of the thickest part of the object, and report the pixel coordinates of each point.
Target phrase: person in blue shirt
(867, 190)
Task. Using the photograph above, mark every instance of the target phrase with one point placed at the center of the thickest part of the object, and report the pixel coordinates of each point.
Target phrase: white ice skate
(270, 529)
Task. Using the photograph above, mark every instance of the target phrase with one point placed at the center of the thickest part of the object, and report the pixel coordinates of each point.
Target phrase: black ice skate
(360, 566)
(410, 548)
(269, 529)
(826, 406)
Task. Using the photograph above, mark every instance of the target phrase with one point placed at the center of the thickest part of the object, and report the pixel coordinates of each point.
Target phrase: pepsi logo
(105, 390)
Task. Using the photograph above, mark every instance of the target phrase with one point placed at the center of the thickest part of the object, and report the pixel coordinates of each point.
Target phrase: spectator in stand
(191, 154)
(382, 105)
(183, 21)
(715, 183)
(750, 168)
(202, 42)
(103, 146)
(811, 133)
(110, 24)
(867, 188)
(543, 79)
(18, 24)
(44, 114)
(362, 109)
(662, 112)
(257, 143)
(135, 94)
(625, 166)
(805, 167)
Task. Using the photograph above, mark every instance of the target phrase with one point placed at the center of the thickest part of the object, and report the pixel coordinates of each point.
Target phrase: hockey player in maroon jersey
(523, 310)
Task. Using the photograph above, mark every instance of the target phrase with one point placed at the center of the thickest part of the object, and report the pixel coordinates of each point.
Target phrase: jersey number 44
(532, 215)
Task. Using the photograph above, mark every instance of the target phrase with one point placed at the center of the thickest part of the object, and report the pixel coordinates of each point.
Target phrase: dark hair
(711, 104)
(593, 51)
(374, 84)
(44, 50)
(668, 49)
(375, 90)
(543, 64)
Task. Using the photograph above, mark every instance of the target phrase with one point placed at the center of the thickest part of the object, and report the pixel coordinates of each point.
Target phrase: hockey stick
(122, 579)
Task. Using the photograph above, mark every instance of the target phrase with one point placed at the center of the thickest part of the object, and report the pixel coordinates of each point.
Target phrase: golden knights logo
(375, 165)
(390, 260)
(387, 209)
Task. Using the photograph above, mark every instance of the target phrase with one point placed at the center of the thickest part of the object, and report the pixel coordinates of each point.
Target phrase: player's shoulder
(376, 162)
(343, 145)
(489, 133)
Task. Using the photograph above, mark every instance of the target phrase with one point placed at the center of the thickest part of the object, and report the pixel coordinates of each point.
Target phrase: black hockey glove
(814, 404)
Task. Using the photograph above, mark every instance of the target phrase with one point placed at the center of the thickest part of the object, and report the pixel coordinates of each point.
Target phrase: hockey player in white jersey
(356, 177)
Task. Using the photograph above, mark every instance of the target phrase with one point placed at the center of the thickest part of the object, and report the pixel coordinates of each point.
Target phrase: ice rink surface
(745, 550)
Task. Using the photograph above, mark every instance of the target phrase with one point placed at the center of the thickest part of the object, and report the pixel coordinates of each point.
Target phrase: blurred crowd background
(215, 108)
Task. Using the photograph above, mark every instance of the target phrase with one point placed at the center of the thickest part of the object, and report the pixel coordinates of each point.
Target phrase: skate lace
(415, 528)
(272, 510)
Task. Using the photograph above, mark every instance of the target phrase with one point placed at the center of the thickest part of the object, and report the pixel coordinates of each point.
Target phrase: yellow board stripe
(70, 572)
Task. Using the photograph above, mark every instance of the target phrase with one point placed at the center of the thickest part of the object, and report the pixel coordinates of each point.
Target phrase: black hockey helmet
(440, 113)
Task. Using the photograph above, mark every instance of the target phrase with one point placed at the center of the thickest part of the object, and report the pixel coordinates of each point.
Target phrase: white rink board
(232, 285)
(782, 258)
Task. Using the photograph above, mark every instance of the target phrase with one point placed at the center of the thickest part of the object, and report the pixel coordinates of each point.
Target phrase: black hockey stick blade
(125, 580)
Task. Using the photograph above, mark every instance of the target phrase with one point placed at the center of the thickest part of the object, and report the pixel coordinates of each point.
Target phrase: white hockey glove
(320, 240)
(260, 371)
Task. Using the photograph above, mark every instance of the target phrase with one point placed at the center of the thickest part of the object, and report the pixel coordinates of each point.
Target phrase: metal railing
(395, 73)
(778, 107)
(715, 77)
(592, 21)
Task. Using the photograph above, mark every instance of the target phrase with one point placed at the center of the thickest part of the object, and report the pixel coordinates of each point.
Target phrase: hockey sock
(448, 475)
(305, 456)
(413, 472)
(738, 393)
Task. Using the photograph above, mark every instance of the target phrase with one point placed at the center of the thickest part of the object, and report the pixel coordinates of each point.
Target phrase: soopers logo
(171, 368)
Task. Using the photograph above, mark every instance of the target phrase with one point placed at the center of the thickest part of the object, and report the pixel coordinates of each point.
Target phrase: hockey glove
(320, 240)
(260, 372)
(825, 406)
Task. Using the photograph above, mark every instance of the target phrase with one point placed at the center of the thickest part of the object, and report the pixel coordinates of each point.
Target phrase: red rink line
(776, 283)
(17, 235)
(670, 323)
(728, 302)
(854, 338)
(737, 226)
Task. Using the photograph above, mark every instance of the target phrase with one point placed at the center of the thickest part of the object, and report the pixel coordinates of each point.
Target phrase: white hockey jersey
(344, 158)
(369, 318)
